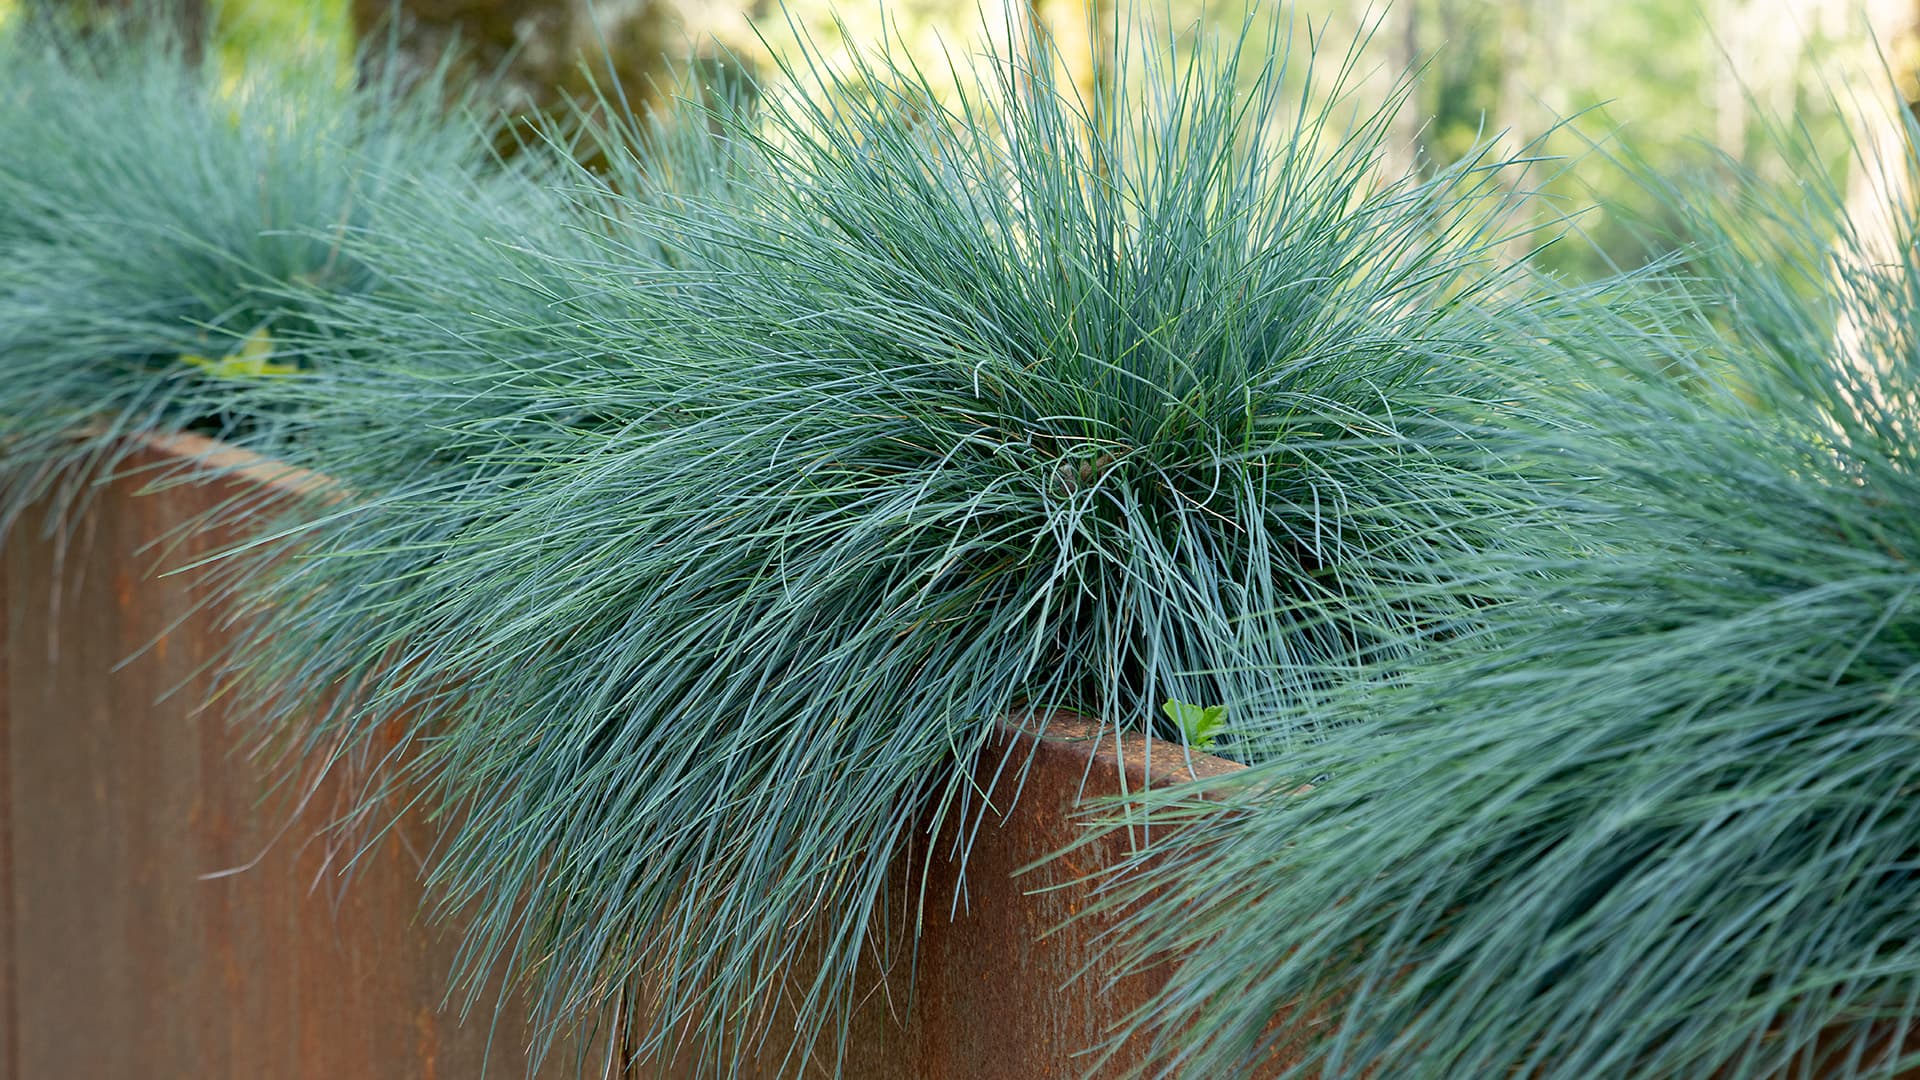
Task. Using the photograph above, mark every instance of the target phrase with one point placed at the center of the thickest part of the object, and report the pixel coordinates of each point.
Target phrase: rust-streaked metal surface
(119, 794)
(121, 959)
(9, 1048)
(1001, 991)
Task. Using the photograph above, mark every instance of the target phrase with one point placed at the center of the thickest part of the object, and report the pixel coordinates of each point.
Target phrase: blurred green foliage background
(1682, 81)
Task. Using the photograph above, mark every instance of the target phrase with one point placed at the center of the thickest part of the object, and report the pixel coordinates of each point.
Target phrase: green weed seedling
(1200, 725)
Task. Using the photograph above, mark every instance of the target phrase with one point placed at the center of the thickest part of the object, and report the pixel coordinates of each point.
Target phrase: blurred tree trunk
(1401, 28)
(1517, 47)
(1083, 32)
(1515, 113)
(535, 50)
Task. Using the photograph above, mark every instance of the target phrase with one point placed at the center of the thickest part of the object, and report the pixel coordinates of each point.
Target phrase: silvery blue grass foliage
(696, 522)
(164, 229)
(707, 518)
(1659, 814)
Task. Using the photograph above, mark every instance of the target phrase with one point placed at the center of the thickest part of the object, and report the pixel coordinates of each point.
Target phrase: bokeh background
(1686, 86)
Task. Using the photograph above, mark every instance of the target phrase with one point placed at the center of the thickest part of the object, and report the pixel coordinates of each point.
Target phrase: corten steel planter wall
(120, 792)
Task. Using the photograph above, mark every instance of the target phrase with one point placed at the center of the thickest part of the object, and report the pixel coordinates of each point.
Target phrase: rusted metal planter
(127, 951)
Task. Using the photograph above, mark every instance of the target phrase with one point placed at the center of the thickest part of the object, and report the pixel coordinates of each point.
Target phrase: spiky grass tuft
(164, 230)
(734, 513)
(1659, 818)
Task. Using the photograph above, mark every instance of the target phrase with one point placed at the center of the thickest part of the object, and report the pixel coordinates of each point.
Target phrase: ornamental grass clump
(743, 514)
(163, 230)
(1660, 818)
(430, 401)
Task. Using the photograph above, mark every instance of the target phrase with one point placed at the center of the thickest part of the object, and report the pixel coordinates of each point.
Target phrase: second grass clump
(1657, 816)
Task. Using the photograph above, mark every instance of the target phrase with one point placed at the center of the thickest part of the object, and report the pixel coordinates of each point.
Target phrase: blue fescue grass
(712, 515)
(162, 228)
(695, 522)
(717, 517)
(1657, 817)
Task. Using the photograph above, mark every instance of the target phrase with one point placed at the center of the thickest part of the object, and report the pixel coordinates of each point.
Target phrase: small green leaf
(253, 360)
(1199, 725)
